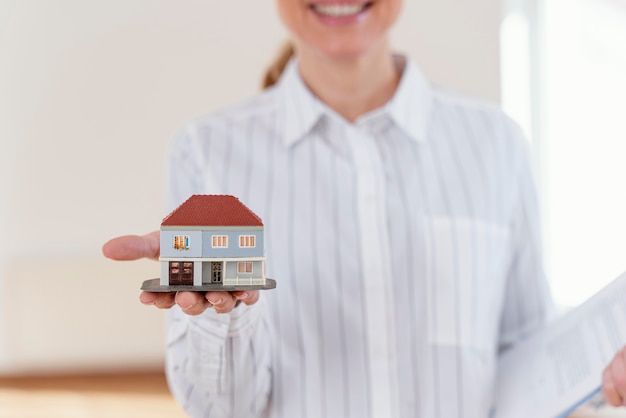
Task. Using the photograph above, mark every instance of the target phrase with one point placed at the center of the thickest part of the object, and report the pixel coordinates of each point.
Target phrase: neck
(350, 86)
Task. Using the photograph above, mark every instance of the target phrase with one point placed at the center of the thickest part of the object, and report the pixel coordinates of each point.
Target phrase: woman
(400, 225)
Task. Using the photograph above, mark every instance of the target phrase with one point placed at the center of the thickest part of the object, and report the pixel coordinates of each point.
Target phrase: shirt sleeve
(217, 365)
(527, 300)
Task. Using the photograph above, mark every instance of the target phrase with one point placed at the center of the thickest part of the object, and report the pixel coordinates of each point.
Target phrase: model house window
(181, 242)
(219, 241)
(246, 241)
(244, 267)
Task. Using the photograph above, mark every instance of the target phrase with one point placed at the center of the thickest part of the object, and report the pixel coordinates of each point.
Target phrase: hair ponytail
(276, 68)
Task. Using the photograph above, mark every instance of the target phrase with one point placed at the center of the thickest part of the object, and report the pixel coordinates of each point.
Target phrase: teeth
(339, 10)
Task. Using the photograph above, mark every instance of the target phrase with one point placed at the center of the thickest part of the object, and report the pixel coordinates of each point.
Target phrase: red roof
(212, 210)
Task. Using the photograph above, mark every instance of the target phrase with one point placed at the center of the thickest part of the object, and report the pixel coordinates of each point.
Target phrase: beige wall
(90, 95)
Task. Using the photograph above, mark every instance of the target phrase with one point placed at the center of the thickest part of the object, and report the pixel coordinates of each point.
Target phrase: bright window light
(585, 145)
(577, 115)
(514, 56)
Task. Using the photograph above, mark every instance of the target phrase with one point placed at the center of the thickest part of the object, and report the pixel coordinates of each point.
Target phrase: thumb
(133, 247)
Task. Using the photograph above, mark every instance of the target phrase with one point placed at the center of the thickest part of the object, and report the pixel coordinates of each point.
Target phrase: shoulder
(220, 131)
(482, 130)
(261, 106)
(478, 117)
(454, 102)
(228, 123)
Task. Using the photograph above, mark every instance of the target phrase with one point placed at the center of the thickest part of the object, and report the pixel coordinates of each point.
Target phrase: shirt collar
(409, 107)
(299, 108)
(411, 104)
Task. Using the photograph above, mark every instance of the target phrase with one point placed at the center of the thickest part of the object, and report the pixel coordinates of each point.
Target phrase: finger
(192, 303)
(160, 300)
(618, 373)
(608, 389)
(249, 297)
(133, 247)
(223, 302)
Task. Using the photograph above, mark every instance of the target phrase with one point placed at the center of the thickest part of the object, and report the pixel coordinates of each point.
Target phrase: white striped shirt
(405, 247)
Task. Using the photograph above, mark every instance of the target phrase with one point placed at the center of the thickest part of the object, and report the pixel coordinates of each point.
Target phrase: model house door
(216, 272)
(181, 273)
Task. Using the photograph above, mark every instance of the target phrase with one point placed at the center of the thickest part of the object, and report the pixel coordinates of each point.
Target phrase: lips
(340, 9)
(337, 13)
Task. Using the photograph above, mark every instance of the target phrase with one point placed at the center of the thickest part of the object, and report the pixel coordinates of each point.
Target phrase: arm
(218, 364)
(614, 380)
(222, 350)
(528, 302)
(218, 353)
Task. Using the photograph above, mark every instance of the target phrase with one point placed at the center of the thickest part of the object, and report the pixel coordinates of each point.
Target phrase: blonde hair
(276, 68)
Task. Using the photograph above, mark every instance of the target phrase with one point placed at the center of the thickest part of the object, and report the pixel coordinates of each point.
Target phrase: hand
(614, 380)
(134, 247)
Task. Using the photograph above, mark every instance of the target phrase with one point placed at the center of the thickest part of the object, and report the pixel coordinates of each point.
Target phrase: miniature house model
(212, 240)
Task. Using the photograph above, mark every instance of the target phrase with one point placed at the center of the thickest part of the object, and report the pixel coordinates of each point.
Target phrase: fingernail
(216, 302)
(190, 306)
(244, 295)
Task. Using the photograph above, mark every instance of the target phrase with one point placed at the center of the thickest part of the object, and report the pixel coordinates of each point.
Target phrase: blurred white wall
(90, 95)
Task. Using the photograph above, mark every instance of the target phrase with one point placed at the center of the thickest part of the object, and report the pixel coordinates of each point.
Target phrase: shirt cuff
(207, 343)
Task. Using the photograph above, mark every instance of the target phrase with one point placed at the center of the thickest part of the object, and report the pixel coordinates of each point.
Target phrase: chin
(346, 50)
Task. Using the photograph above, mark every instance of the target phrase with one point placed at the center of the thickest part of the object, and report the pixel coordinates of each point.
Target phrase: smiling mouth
(340, 10)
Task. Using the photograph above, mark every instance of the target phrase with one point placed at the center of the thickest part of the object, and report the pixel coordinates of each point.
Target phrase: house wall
(198, 270)
(233, 249)
(165, 273)
(200, 243)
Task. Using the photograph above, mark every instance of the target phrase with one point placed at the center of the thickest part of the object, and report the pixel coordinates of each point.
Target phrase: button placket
(376, 269)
